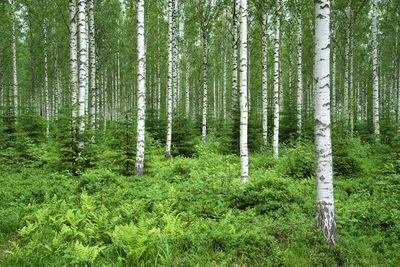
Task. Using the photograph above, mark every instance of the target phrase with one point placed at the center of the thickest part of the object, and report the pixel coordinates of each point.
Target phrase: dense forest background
(199, 133)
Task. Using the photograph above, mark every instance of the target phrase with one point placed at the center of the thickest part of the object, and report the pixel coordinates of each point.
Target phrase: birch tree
(205, 87)
(73, 61)
(323, 147)
(46, 81)
(299, 70)
(93, 77)
(375, 78)
(171, 6)
(276, 80)
(141, 79)
(82, 67)
(234, 57)
(14, 59)
(264, 78)
(244, 157)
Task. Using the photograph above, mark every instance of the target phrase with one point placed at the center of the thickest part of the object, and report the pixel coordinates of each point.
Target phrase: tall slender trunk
(14, 62)
(171, 5)
(158, 71)
(351, 78)
(334, 55)
(187, 93)
(244, 156)
(224, 85)
(205, 89)
(375, 78)
(276, 80)
(46, 81)
(264, 79)
(82, 68)
(234, 59)
(215, 101)
(141, 79)
(345, 115)
(299, 71)
(323, 146)
(73, 61)
(93, 77)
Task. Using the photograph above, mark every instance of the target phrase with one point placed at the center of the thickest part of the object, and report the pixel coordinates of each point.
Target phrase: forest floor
(194, 212)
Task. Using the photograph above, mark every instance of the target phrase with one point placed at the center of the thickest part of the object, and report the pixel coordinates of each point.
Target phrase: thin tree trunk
(299, 71)
(244, 156)
(224, 85)
(276, 81)
(171, 5)
(346, 74)
(323, 147)
(141, 79)
(82, 68)
(205, 89)
(46, 82)
(334, 55)
(264, 79)
(234, 59)
(73, 61)
(375, 78)
(14, 62)
(93, 82)
(187, 97)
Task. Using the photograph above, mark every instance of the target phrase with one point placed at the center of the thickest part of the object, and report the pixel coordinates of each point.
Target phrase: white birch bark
(323, 147)
(244, 156)
(276, 81)
(375, 78)
(73, 61)
(224, 86)
(299, 71)
(351, 84)
(234, 58)
(264, 78)
(82, 67)
(93, 77)
(187, 91)
(345, 115)
(215, 101)
(87, 63)
(205, 89)
(158, 71)
(46, 82)
(334, 55)
(141, 79)
(14, 61)
(171, 5)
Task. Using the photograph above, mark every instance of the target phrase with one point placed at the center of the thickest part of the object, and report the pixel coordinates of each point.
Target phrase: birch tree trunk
(234, 59)
(171, 5)
(73, 61)
(205, 89)
(224, 86)
(323, 147)
(264, 79)
(82, 67)
(46, 81)
(276, 80)
(375, 78)
(299, 71)
(14, 61)
(334, 55)
(187, 97)
(141, 79)
(244, 157)
(93, 77)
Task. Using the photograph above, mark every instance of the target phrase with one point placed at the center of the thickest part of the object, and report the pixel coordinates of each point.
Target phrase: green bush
(298, 162)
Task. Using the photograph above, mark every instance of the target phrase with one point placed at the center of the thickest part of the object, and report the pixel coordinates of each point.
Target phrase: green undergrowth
(194, 212)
